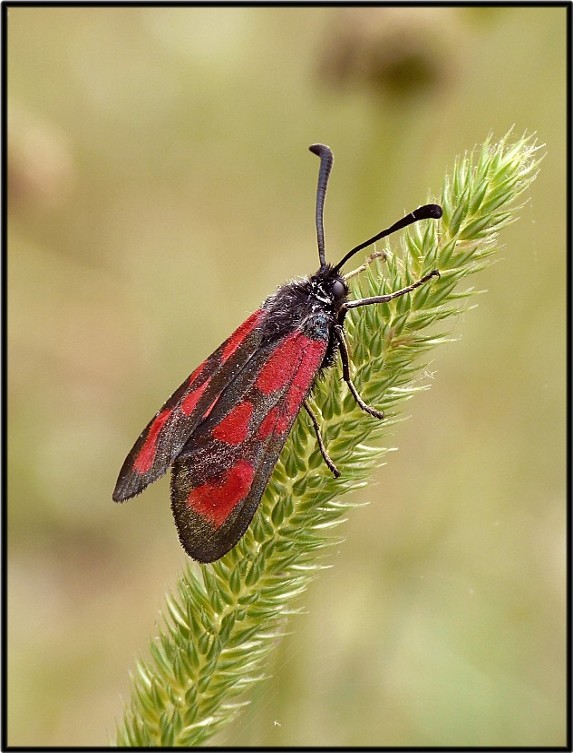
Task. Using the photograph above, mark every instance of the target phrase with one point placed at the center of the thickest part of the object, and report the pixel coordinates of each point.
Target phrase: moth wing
(166, 434)
(220, 476)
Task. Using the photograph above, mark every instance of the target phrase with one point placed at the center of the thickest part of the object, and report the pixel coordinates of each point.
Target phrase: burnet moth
(223, 429)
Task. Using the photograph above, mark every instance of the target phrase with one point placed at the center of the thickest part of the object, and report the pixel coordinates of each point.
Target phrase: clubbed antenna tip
(326, 160)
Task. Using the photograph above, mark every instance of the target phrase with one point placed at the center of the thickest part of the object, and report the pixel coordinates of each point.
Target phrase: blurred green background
(159, 188)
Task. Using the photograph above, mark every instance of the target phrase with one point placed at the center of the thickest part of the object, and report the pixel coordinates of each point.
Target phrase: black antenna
(326, 160)
(427, 212)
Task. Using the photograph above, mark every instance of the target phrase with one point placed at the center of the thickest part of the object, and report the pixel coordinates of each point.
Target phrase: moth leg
(367, 263)
(339, 332)
(390, 296)
(322, 448)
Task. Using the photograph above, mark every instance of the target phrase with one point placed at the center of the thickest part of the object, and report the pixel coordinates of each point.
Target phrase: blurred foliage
(159, 188)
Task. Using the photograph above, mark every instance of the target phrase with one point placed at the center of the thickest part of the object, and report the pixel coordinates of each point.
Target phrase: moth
(223, 429)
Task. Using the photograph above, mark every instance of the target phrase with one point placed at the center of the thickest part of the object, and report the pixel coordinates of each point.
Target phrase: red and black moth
(223, 429)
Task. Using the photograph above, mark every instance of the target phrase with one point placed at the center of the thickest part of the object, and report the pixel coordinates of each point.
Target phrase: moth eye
(338, 289)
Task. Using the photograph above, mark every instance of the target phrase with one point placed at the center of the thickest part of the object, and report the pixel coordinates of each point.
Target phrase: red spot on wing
(145, 457)
(314, 351)
(240, 334)
(273, 423)
(278, 419)
(305, 374)
(189, 403)
(279, 369)
(233, 429)
(196, 373)
(210, 408)
(217, 499)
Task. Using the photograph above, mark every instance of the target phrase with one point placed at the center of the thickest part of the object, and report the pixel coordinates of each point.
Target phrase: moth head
(329, 287)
